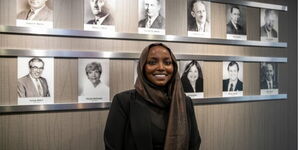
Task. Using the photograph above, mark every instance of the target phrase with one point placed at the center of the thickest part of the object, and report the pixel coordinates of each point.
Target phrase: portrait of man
(233, 83)
(37, 11)
(93, 79)
(200, 21)
(235, 24)
(152, 17)
(101, 13)
(270, 19)
(269, 80)
(33, 84)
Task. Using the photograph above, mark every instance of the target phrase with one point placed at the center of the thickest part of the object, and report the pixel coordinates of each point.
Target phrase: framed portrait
(236, 22)
(268, 78)
(93, 80)
(199, 18)
(191, 76)
(269, 25)
(35, 81)
(232, 79)
(38, 13)
(99, 15)
(152, 19)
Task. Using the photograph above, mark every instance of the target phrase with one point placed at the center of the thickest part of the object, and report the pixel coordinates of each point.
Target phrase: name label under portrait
(35, 100)
(33, 23)
(232, 93)
(101, 28)
(199, 34)
(268, 91)
(152, 31)
(90, 99)
(269, 39)
(195, 95)
(236, 37)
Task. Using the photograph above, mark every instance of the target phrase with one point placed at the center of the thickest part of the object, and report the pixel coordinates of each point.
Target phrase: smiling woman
(159, 66)
(156, 115)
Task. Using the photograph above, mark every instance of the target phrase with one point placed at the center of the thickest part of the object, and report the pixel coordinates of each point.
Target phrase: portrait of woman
(156, 114)
(192, 78)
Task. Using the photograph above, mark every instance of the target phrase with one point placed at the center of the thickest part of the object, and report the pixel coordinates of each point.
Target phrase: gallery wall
(262, 125)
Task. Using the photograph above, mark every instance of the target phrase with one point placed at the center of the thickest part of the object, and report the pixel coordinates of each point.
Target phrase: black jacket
(109, 20)
(238, 86)
(264, 84)
(231, 29)
(128, 124)
(158, 23)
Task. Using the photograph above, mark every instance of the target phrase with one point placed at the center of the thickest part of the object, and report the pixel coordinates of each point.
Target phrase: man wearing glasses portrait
(32, 84)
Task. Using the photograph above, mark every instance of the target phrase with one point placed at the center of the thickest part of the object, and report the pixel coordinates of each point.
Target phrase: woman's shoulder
(124, 97)
(126, 93)
(122, 100)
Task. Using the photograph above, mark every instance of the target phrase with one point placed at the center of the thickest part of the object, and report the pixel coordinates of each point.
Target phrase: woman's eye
(151, 62)
(168, 62)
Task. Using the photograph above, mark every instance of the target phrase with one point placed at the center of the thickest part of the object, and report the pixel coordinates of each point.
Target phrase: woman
(192, 79)
(156, 115)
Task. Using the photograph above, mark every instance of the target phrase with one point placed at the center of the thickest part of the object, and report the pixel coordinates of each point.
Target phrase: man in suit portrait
(38, 11)
(200, 22)
(32, 84)
(233, 83)
(234, 26)
(268, 81)
(267, 30)
(153, 18)
(102, 15)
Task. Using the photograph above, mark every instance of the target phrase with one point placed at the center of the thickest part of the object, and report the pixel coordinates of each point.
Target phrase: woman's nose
(161, 66)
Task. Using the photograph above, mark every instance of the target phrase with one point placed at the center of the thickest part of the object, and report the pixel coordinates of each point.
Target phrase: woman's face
(94, 76)
(159, 66)
(193, 74)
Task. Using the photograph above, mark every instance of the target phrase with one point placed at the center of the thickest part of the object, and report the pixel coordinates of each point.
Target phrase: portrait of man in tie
(268, 76)
(152, 17)
(33, 84)
(198, 19)
(232, 83)
(36, 10)
(101, 12)
(269, 27)
(236, 20)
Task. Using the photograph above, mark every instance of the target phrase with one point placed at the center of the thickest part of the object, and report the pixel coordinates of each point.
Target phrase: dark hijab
(170, 96)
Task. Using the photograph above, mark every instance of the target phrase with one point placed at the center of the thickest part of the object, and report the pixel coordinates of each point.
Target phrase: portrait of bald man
(199, 16)
(269, 76)
(269, 27)
(36, 10)
(152, 17)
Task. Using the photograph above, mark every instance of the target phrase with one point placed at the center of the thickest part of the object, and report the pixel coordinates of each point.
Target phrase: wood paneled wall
(269, 125)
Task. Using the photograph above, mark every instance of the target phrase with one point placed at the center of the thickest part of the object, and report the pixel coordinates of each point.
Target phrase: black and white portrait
(35, 13)
(232, 79)
(99, 15)
(93, 80)
(151, 17)
(269, 25)
(236, 22)
(199, 20)
(192, 78)
(35, 80)
(268, 78)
